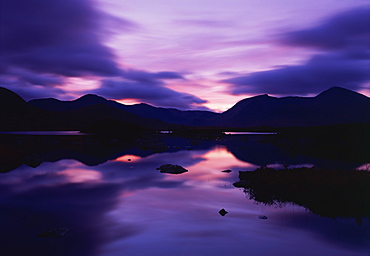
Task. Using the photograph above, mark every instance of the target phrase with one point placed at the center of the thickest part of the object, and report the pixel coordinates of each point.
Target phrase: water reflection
(124, 206)
(93, 151)
(328, 193)
(78, 206)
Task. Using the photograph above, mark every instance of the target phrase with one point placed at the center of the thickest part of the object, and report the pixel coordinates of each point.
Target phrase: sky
(184, 54)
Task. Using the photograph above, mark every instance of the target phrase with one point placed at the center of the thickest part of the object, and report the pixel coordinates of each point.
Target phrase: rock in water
(53, 232)
(172, 169)
(222, 212)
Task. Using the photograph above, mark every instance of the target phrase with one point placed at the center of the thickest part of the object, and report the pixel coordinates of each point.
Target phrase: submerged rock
(172, 168)
(53, 232)
(223, 212)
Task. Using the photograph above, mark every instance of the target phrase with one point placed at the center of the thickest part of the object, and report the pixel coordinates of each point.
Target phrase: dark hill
(56, 105)
(333, 106)
(88, 116)
(171, 115)
(10, 99)
(168, 115)
(16, 114)
(339, 93)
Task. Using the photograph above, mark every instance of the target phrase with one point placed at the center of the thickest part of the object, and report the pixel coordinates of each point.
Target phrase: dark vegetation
(328, 193)
(16, 150)
(199, 132)
(349, 142)
(117, 129)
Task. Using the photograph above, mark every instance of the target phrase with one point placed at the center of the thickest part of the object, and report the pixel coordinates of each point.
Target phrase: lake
(42, 133)
(114, 201)
(250, 133)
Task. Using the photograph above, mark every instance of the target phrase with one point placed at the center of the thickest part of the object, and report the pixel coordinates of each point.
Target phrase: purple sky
(187, 54)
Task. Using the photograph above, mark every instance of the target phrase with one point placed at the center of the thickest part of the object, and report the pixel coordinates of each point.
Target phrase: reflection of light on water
(151, 213)
(214, 162)
(81, 175)
(281, 166)
(185, 221)
(250, 133)
(128, 158)
(364, 167)
(220, 159)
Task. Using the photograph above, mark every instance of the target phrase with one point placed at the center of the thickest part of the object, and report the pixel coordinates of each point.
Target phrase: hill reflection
(328, 193)
(124, 206)
(92, 151)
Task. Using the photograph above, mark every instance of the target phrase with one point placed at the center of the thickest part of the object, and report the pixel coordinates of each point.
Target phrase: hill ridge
(333, 106)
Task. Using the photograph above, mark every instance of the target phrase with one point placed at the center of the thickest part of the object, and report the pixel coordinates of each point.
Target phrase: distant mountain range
(333, 106)
(16, 114)
(169, 115)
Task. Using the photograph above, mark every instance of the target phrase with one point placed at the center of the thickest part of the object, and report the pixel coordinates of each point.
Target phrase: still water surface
(126, 207)
(43, 133)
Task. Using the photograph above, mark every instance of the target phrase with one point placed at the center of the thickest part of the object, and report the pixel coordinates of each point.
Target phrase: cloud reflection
(79, 207)
(75, 175)
(341, 232)
(129, 207)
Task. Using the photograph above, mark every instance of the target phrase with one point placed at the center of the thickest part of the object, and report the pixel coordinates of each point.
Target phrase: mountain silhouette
(56, 105)
(333, 106)
(9, 99)
(97, 114)
(169, 115)
(16, 114)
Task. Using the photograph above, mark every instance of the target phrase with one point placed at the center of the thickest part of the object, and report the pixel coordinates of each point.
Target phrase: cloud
(44, 42)
(34, 78)
(27, 91)
(152, 93)
(149, 77)
(60, 37)
(344, 59)
(148, 87)
(346, 29)
(206, 23)
(317, 74)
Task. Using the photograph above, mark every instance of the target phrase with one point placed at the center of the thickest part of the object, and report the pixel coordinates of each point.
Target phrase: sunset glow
(202, 55)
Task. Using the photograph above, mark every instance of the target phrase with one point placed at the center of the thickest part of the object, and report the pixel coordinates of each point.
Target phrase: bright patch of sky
(187, 54)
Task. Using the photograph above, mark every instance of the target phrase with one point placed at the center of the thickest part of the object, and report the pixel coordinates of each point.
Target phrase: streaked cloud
(173, 54)
(43, 43)
(155, 94)
(343, 59)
